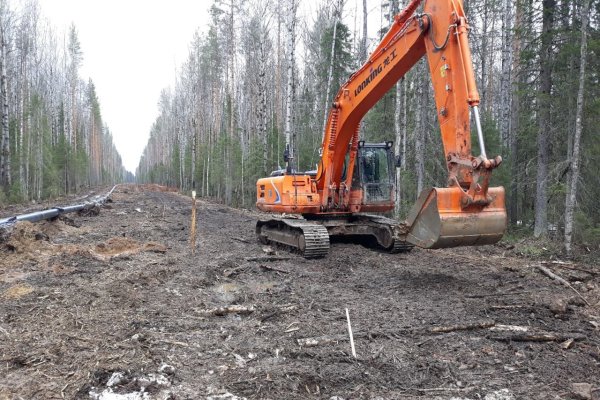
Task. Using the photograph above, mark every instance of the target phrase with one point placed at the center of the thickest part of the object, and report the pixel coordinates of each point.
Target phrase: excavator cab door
(374, 173)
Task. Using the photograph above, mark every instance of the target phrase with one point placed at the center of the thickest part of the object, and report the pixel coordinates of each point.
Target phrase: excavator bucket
(438, 219)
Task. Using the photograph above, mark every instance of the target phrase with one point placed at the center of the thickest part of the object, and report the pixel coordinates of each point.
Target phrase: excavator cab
(374, 174)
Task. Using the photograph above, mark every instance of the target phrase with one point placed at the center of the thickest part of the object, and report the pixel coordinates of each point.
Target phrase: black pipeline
(56, 211)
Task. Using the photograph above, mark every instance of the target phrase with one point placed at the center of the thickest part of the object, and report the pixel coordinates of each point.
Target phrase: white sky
(132, 49)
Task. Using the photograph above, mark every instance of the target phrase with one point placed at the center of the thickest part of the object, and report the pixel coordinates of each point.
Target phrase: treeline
(263, 73)
(52, 137)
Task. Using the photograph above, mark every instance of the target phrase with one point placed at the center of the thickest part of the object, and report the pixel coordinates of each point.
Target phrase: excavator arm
(466, 212)
(472, 212)
(441, 34)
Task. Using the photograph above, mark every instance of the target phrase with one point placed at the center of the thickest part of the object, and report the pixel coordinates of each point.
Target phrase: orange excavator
(355, 179)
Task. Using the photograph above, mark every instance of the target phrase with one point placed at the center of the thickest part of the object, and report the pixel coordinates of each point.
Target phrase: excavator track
(397, 230)
(308, 238)
(401, 246)
(375, 231)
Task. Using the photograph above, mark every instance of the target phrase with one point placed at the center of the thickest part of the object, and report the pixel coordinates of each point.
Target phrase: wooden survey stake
(193, 227)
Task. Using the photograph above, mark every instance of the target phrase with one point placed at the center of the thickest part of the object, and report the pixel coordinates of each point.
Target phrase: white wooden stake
(350, 333)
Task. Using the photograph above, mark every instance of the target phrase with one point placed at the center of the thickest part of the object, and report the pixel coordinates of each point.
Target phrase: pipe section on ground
(56, 211)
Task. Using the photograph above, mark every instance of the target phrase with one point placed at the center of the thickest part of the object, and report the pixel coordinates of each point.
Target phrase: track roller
(309, 238)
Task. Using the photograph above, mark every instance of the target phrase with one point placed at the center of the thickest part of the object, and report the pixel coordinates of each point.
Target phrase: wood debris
(267, 258)
(462, 327)
(557, 278)
(231, 309)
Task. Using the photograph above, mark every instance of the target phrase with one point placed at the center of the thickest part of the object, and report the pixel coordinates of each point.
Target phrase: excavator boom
(467, 211)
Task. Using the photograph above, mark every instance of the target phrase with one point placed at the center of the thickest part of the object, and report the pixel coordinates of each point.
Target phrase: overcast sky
(132, 49)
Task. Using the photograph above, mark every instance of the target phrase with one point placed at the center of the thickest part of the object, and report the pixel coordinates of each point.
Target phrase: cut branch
(267, 259)
(275, 269)
(560, 280)
(465, 327)
(538, 337)
(232, 309)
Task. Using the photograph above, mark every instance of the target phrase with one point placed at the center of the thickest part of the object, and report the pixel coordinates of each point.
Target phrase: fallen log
(267, 259)
(331, 339)
(463, 327)
(538, 337)
(560, 280)
(322, 340)
(562, 264)
(274, 269)
(484, 295)
(232, 309)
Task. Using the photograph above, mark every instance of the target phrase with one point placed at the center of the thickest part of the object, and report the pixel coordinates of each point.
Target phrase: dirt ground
(116, 306)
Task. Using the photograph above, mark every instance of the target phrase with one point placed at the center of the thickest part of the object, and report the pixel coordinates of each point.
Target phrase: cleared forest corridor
(113, 303)
(116, 303)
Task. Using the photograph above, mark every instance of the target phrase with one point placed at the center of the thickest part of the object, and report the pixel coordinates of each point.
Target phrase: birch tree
(336, 17)
(398, 119)
(5, 165)
(291, 61)
(574, 157)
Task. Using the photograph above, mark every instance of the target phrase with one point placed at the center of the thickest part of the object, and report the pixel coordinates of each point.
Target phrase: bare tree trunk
(484, 54)
(398, 115)
(39, 159)
(194, 150)
(231, 95)
(514, 117)
(505, 78)
(541, 195)
(262, 107)
(572, 192)
(22, 120)
(363, 54)
(404, 124)
(337, 14)
(363, 42)
(291, 26)
(5, 136)
(208, 153)
(420, 128)
(398, 130)
(277, 107)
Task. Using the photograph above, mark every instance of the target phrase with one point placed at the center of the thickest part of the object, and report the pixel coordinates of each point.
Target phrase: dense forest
(260, 75)
(52, 137)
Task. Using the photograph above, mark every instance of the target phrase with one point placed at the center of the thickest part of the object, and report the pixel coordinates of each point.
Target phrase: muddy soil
(116, 306)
